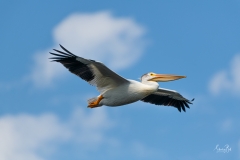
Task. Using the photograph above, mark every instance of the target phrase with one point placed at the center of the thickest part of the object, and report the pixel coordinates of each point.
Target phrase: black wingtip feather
(183, 107)
(59, 55)
(168, 101)
(70, 61)
(66, 54)
(66, 50)
(179, 109)
(186, 105)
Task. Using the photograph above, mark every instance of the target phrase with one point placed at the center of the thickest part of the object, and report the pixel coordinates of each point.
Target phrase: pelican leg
(95, 103)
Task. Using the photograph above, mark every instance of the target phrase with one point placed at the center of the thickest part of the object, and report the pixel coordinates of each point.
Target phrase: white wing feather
(93, 72)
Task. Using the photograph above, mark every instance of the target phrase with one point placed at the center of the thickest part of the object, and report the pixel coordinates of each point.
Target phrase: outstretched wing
(168, 98)
(93, 72)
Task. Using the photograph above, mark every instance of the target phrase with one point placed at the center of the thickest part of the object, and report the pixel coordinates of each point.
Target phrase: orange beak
(165, 77)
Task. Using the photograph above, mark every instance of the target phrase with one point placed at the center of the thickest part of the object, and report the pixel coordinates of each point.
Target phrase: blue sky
(43, 106)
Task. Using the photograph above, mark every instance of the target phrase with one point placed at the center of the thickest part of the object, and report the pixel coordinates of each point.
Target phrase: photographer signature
(225, 149)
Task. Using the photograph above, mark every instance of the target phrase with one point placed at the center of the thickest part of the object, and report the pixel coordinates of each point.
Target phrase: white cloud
(227, 80)
(23, 136)
(43, 71)
(89, 129)
(118, 42)
(28, 137)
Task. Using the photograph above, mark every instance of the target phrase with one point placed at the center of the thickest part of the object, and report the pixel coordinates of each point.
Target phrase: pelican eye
(151, 74)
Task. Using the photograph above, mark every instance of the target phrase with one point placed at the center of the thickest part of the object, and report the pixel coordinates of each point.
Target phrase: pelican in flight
(116, 90)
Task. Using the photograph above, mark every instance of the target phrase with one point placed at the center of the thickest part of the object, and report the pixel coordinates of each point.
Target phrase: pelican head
(160, 77)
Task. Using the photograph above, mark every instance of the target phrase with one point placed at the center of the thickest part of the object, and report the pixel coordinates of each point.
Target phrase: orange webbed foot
(95, 103)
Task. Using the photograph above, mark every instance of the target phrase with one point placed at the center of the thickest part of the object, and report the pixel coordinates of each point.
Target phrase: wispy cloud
(118, 42)
(32, 137)
(89, 129)
(44, 72)
(227, 80)
(23, 136)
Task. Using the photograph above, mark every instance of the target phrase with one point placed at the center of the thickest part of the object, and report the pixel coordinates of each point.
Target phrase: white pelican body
(116, 90)
(127, 93)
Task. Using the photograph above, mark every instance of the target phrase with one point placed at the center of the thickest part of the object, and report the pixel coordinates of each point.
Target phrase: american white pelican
(116, 90)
